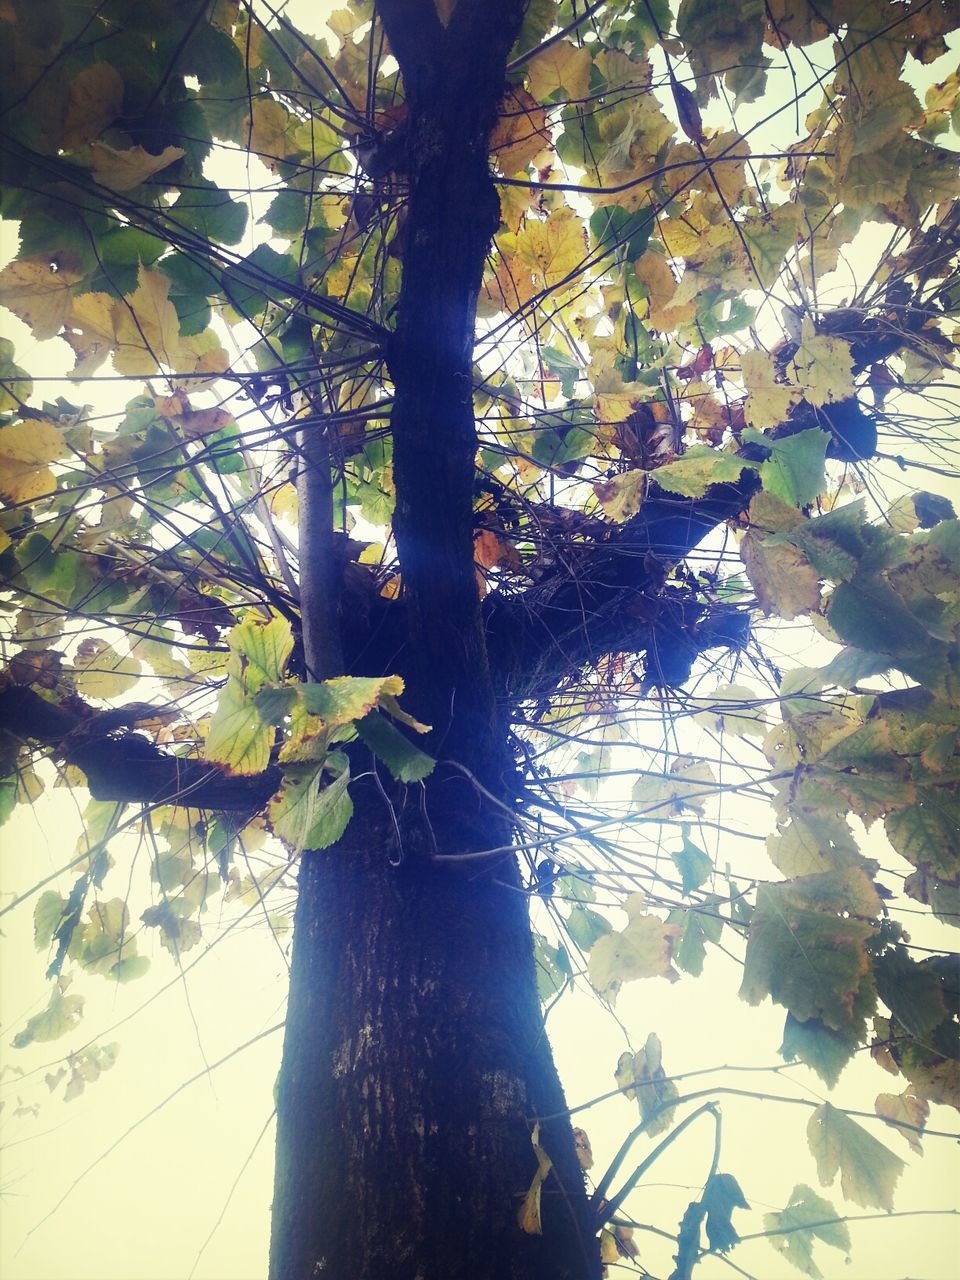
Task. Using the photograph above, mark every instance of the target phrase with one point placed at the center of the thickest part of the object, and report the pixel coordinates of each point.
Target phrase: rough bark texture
(415, 1063)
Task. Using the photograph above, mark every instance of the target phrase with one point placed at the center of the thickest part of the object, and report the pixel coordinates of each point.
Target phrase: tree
(500, 305)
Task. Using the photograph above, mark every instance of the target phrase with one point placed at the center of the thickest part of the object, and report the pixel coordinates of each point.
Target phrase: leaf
(47, 917)
(822, 1048)
(520, 133)
(15, 387)
(581, 1142)
(406, 762)
(128, 168)
(911, 991)
(721, 1196)
(794, 471)
(660, 285)
(905, 1108)
(61, 1016)
(769, 400)
(94, 101)
(586, 926)
(644, 949)
(731, 708)
(697, 469)
(25, 449)
(562, 70)
(823, 367)
(331, 814)
(808, 951)
(694, 865)
(238, 737)
(622, 495)
(782, 576)
(553, 251)
(641, 1076)
(147, 327)
(529, 1215)
(347, 698)
(101, 672)
(805, 1219)
(259, 650)
(272, 132)
(868, 1170)
(38, 290)
(926, 832)
(699, 926)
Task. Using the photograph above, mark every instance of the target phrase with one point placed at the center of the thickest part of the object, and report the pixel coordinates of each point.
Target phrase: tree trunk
(415, 1063)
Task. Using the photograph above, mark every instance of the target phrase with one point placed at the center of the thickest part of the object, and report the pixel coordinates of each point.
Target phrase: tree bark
(415, 1064)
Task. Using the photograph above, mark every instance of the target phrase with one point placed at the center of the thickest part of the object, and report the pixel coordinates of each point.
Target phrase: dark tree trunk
(415, 1062)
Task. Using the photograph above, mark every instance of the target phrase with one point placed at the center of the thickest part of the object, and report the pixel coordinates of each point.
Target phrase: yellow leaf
(529, 1215)
(644, 949)
(237, 738)
(824, 367)
(868, 1170)
(660, 284)
(124, 170)
(101, 672)
(25, 449)
(196, 423)
(38, 291)
(581, 1142)
(768, 401)
(147, 326)
(907, 1108)
(563, 66)
(782, 576)
(89, 330)
(200, 354)
(621, 496)
(271, 134)
(94, 102)
(520, 133)
(554, 249)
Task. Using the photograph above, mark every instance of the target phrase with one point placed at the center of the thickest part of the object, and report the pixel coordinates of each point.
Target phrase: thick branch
(608, 597)
(120, 765)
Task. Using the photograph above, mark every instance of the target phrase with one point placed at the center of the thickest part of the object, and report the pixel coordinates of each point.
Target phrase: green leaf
(694, 865)
(805, 1219)
(259, 650)
(808, 951)
(347, 698)
(868, 1170)
(794, 471)
(819, 1046)
(696, 470)
(61, 1016)
(406, 762)
(8, 797)
(644, 949)
(911, 991)
(331, 814)
(699, 925)
(237, 738)
(586, 926)
(47, 916)
(926, 832)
